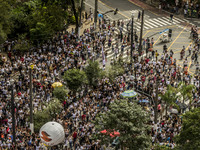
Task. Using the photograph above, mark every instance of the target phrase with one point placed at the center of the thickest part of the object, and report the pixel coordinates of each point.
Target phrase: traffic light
(170, 33)
(116, 10)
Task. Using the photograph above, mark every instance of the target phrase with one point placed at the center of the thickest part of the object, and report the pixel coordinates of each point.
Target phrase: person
(139, 14)
(171, 17)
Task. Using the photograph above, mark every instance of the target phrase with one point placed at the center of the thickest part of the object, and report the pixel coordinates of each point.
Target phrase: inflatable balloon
(52, 133)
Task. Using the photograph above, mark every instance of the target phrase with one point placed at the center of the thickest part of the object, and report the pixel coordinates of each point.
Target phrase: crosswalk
(148, 24)
(156, 22)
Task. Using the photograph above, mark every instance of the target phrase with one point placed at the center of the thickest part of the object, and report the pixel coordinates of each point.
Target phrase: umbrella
(129, 94)
(115, 133)
(104, 131)
(100, 15)
(143, 101)
(57, 84)
(112, 134)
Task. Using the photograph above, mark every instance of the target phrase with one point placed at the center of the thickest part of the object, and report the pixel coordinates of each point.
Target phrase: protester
(66, 51)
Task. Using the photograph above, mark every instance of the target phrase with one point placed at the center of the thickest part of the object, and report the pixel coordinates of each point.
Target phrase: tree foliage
(190, 132)
(47, 114)
(60, 93)
(130, 120)
(37, 19)
(169, 97)
(74, 78)
(186, 91)
(5, 25)
(93, 73)
(115, 71)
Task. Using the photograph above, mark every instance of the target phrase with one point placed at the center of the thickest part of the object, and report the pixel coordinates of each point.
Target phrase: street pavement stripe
(146, 24)
(181, 20)
(124, 29)
(175, 20)
(151, 23)
(139, 24)
(167, 19)
(164, 21)
(115, 32)
(158, 21)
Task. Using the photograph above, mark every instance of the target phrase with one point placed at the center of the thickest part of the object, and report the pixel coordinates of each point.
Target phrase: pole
(13, 116)
(95, 13)
(141, 32)
(31, 103)
(80, 16)
(131, 59)
(156, 103)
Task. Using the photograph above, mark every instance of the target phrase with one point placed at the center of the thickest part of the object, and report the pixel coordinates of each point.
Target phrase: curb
(178, 16)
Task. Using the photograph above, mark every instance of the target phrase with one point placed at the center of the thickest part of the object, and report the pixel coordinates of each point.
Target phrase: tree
(190, 131)
(115, 71)
(5, 25)
(169, 97)
(130, 120)
(186, 91)
(22, 45)
(45, 21)
(93, 73)
(74, 78)
(60, 93)
(47, 114)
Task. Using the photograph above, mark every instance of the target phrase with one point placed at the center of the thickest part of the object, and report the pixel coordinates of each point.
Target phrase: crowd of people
(188, 9)
(66, 51)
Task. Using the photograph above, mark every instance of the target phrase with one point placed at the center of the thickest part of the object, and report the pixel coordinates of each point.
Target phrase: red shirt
(75, 135)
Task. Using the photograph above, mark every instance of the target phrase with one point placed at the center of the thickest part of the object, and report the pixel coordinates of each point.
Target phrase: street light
(13, 111)
(31, 101)
(131, 59)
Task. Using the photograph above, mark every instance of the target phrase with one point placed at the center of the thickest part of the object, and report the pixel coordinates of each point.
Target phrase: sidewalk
(154, 8)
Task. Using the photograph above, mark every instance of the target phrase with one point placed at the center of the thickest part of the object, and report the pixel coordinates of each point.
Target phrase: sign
(163, 31)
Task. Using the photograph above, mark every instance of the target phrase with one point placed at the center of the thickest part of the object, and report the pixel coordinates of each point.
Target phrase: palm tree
(186, 91)
(169, 97)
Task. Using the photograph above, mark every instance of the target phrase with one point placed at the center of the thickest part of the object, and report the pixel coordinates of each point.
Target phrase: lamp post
(13, 112)
(131, 59)
(95, 13)
(141, 32)
(31, 101)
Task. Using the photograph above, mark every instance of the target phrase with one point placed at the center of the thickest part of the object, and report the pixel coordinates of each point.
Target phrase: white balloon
(52, 133)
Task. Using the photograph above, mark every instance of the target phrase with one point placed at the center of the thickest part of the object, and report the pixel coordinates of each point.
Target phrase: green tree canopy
(5, 24)
(93, 73)
(130, 120)
(74, 78)
(115, 70)
(186, 91)
(169, 97)
(60, 93)
(190, 132)
(47, 114)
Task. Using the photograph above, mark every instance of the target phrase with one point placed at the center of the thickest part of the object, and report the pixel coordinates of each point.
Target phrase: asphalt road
(155, 22)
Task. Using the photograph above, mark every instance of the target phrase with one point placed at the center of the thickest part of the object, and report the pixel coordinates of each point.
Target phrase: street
(154, 21)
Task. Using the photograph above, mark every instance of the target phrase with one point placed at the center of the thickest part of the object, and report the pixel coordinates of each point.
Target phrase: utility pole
(80, 16)
(131, 59)
(156, 104)
(31, 102)
(141, 32)
(95, 14)
(13, 116)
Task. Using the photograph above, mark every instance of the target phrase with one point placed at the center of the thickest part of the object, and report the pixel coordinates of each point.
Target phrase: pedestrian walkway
(125, 30)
